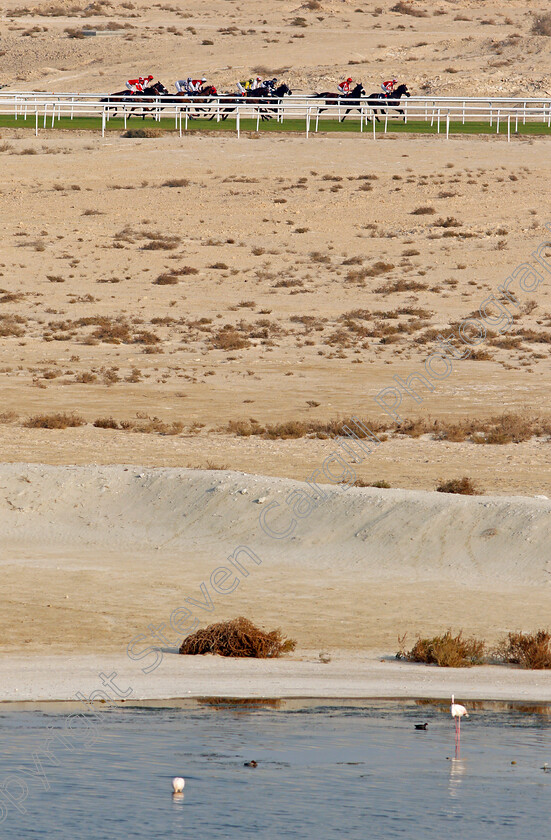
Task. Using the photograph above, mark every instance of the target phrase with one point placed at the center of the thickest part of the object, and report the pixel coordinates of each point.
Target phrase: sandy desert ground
(222, 304)
(449, 47)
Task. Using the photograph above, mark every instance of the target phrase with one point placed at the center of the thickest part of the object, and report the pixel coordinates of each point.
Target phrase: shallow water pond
(325, 770)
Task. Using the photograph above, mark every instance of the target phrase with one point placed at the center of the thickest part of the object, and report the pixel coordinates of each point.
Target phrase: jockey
(388, 87)
(244, 85)
(196, 84)
(257, 83)
(270, 84)
(138, 85)
(181, 86)
(344, 87)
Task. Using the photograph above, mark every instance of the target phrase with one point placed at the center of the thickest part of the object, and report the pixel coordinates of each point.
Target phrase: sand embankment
(93, 556)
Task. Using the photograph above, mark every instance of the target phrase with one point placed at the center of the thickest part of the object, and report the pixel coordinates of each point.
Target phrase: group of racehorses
(263, 98)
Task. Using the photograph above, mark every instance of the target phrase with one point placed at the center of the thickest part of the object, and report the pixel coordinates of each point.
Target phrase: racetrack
(248, 124)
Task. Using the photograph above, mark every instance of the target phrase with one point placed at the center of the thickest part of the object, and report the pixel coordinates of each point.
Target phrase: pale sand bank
(93, 557)
(29, 678)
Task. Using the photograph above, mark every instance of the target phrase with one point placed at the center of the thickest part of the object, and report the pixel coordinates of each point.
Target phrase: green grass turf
(290, 125)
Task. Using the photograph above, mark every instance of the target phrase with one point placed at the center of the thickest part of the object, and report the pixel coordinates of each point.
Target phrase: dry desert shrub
(529, 650)
(292, 429)
(542, 25)
(378, 268)
(423, 211)
(408, 9)
(303, 428)
(176, 182)
(381, 484)
(144, 132)
(10, 325)
(462, 486)
(239, 638)
(161, 243)
(401, 285)
(445, 650)
(229, 339)
(166, 280)
(106, 423)
(60, 420)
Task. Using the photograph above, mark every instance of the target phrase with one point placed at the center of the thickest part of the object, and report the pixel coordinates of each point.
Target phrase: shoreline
(364, 676)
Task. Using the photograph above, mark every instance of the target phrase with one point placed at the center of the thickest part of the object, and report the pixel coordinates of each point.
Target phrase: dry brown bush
(176, 182)
(408, 9)
(401, 285)
(529, 650)
(11, 325)
(144, 132)
(542, 25)
(285, 431)
(238, 638)
(106, 423)
(166, 280)
(462, 486)
(423, 211)
(230, 339)
(165, 243)
(445, 650)
(54, 421)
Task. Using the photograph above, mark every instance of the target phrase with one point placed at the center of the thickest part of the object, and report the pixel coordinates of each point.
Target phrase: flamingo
(178, 784)
(457, 711)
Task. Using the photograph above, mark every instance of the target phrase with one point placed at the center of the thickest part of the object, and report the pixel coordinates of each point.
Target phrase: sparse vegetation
(144, 132)
(445, 650)
(408, 9)
(529, 650)
(423, 211)
(462, 486)
(60, 420)
(237, 638)
(542, 25)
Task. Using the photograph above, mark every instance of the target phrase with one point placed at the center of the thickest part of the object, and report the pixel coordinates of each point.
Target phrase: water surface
(327, 770)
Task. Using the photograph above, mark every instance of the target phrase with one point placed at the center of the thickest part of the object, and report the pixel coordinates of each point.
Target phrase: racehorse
(124, 97)
(351, 99)
(183, 97)
(261, 96)
(376, 100)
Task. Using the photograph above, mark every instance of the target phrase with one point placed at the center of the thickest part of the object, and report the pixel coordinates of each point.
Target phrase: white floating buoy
(178, 784)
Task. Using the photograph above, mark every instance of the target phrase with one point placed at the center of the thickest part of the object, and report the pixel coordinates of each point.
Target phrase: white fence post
(508, 128)
(237, 122)
(103, 123)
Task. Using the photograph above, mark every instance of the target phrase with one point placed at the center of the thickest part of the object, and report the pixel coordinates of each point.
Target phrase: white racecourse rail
(45, 108)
